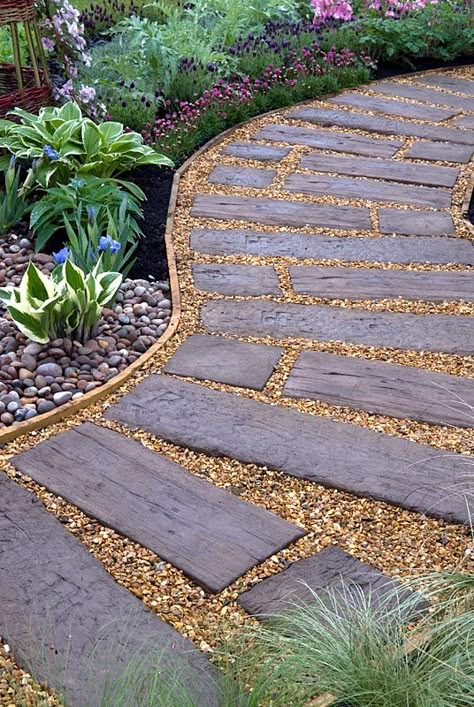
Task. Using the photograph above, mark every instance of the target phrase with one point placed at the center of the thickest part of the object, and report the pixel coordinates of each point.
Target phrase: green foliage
(13, 202)
(436, 32)
(68, 304)
(64, 144)
(90, 247)
(6, 47)
(67, 202)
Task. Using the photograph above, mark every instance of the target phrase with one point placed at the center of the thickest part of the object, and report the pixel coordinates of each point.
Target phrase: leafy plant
(68, 304)
(13, 203)
(64, 144)
(65, 202)
(90, 247)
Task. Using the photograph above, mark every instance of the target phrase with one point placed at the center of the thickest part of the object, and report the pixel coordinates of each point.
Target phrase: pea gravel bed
(37, 378)
(396, 541)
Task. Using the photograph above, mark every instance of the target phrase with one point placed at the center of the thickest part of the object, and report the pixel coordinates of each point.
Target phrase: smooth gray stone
(236, 279)
(251, 151)
(231, 175)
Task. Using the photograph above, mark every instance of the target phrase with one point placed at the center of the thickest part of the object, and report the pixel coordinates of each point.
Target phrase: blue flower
(108, 243)
(61, 256)
(50, 153)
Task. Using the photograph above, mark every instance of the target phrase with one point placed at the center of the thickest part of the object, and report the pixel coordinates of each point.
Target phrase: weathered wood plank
(242, 176)
(391, 249)
(415, 332)
(416, 223)
(447, 152)
(392, 170)
(466, 122)
(260, 153)
(392, 107)
(68, 621)
(373, 284)
(236, 279)
(368, 189)
(329, 140)
(278, 212)
(331, 569)
(213, 536)
(384, 388)
(334, 454)
(449, 83)
(223, 360)
(424, 95)
(384, 126)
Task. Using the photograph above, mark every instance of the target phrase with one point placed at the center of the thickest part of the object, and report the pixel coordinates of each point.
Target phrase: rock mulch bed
(37, 378)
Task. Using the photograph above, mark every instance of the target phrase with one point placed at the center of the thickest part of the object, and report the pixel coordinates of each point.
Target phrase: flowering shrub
(63, 38)
(332, 10)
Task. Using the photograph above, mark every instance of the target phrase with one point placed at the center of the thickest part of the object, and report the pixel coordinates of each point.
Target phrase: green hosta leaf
(36, 285)
(91, 139)
(73, 276)
(111, 131)
(70, 111)
(109, 283)
(30, 324)
(6, 294)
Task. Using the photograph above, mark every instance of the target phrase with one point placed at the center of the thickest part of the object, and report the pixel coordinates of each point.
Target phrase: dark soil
(387, 70)
(151, 252)
(470, 212)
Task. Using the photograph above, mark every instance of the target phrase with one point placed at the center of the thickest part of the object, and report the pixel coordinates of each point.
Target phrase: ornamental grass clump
(67, 304)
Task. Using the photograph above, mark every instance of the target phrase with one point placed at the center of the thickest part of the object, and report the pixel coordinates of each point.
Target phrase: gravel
(36, 378)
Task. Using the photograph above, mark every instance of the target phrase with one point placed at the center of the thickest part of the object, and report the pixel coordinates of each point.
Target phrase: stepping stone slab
(419, 93)
(466, 122)
(393, 249)
(278, 212)
(334, 454)
(209, 534)
(261, 153)
(383, 388)
(237, 279)
(385, 126)
(440, 151)
(330, 569)
(223, 360)
(394, 170)
(413, 222)
(329, 140)
(392, 107)
(242, 176)
(415, 332)
(368, 189)
(449, 83)
(68, 621)
(372, 284)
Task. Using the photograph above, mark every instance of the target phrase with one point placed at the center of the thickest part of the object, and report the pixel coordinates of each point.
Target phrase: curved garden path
(320, 378)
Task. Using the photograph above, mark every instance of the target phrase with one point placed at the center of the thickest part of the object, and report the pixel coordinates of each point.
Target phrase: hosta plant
(68, 304)
(69, 202)
(64, 143)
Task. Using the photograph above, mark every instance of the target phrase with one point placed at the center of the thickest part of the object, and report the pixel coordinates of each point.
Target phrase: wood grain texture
(392, 170)
(251, 151)
(61, 608)
(334, 454)
(385, 249)
(208, 533)
(329, 140)
(373, 190)
(392, 107)
(373, 284)
(440, 151)
(231, 175)
(466, 122)
(384, 126)
(422, 94)
(278, 212)
(330, 570)
(415, 332)
(449, 83)
(413, 222)
(383, 388)
(223, 360)
(236, 279)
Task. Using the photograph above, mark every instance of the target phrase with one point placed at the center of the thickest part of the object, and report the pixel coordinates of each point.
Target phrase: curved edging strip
(54, 416)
